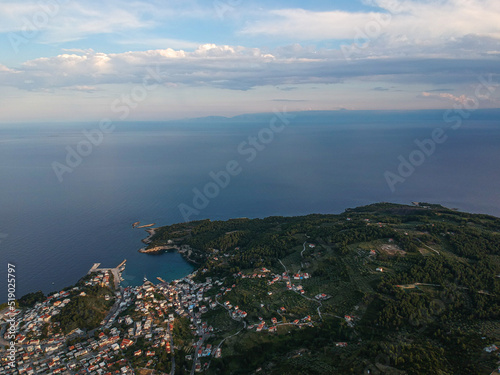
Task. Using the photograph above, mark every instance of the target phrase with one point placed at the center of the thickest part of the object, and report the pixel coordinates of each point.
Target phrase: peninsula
(385, 288)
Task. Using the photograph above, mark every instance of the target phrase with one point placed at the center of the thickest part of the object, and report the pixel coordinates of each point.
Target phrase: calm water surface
(321, 162)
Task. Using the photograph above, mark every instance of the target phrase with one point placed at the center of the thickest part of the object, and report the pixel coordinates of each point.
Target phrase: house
(260, 326)
(491, 348)
(218, 353)
(379, 269)
(126, 343)
(321, 296)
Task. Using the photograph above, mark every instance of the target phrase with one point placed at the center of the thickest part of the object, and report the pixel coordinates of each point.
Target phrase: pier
(115, 271)
(94, 267)
(145, 226)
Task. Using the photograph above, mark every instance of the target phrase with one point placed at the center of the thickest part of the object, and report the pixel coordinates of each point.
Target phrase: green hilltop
(380, 289)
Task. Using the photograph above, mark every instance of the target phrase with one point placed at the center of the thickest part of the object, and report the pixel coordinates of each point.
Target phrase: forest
(432, 311)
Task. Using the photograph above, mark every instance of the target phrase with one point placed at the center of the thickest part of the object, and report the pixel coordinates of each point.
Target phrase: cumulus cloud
(237, 68)
(219, 66)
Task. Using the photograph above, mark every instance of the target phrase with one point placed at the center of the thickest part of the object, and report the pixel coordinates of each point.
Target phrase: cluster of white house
(146, 311)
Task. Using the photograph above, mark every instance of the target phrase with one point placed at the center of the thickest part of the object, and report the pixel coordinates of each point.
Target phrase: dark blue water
(320, 162)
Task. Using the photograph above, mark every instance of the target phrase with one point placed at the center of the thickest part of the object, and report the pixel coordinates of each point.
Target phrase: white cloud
(83, 88)
(158, 43)
(210, 64)
(3, 68)
(401, 22)
(237, 68)
(55, 21)
(300, 24)
(59, 21)
(462, 99)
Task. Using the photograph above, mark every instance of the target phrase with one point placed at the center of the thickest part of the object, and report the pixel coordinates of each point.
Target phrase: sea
(69, 192)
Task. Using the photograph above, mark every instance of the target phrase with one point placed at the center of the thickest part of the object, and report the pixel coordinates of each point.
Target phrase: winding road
(304, 249)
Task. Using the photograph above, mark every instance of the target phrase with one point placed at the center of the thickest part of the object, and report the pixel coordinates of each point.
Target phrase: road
(437, 252)
(283, 265)
(228, 337)
(304, 249)
(224, 339)
(195, 358)
(315, 300)
(172, 371)
(204, 336)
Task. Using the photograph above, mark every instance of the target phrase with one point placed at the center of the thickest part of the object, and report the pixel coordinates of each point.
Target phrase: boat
(145, 279)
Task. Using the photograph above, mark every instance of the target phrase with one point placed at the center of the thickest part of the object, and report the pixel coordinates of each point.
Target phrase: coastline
(158, 249)
(151, 232)
(185, 250)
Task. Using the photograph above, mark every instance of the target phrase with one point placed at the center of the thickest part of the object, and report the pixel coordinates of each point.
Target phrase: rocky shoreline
(157, 249)
(151, 232)
(185, 250)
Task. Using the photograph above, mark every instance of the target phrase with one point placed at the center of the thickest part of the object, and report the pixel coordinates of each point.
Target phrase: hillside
(383, 288)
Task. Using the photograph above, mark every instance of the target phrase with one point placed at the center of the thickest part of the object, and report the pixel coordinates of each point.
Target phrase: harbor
(117, 272)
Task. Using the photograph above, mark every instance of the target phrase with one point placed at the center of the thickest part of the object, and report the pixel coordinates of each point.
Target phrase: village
(142, 319)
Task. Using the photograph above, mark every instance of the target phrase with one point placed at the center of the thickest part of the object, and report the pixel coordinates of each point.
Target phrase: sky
(66, 60)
